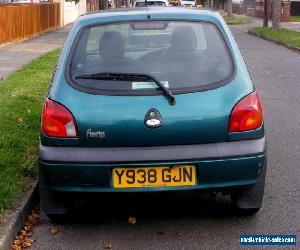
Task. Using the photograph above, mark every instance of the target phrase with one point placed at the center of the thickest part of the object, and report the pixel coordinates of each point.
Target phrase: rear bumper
(218, 165)
(153, 154)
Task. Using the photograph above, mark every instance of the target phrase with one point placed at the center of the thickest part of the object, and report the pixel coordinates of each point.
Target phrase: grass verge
(285, 37)
(21, 98)
(233, 20)
(294, 19)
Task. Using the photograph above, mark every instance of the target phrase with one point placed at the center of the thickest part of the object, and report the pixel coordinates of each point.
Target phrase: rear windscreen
(184, 56)
(150, 3)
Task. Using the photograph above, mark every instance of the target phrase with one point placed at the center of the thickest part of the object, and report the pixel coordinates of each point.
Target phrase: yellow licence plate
(154, 177)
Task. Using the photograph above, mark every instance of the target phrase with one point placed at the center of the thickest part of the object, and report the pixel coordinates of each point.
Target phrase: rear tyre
(248, 201)
(51, 202)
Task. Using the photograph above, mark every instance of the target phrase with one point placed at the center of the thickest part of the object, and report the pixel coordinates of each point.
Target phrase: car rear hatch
(191, 59)
(196, 118)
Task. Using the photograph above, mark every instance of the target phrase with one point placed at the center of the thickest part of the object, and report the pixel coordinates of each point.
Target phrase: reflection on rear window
(184, 56)
(150, 3)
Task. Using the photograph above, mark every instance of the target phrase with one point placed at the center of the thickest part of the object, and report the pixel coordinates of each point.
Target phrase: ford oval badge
(153, 119)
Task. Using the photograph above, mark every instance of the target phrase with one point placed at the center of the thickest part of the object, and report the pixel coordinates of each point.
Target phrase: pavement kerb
(17, 219)
(275, 41)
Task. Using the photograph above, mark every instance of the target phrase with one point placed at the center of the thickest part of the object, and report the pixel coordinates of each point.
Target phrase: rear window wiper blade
(130, 77)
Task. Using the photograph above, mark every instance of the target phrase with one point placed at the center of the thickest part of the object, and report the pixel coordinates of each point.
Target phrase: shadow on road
(108, 207)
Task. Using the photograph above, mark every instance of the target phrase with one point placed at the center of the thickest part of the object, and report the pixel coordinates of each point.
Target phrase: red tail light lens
(57, 121)
(247, 114)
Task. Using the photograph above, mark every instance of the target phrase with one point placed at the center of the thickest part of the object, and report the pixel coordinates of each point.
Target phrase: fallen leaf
(14, 247)
(24, 238)
(20, 120)
(17, 242)
(35, 215)
(54, 230)
(26, 244)
(132, 220)
(108, 246)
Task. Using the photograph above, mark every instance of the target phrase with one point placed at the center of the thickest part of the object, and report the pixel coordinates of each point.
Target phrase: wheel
(52, 203)
(248, 201)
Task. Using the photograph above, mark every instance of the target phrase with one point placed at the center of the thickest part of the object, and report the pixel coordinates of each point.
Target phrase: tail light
(57, 121)
(247, 114)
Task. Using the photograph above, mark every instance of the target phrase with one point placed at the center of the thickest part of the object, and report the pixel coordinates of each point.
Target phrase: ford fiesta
(152, 99)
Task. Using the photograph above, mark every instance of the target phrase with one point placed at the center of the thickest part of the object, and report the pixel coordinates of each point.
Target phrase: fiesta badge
(153, 119)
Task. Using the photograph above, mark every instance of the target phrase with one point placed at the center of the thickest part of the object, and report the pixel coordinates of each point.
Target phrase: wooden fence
(19, 21)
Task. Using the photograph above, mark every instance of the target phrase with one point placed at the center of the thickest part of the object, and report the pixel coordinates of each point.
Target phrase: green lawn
(21, 98)
(233, 20)
(294, 19)
(285, 36)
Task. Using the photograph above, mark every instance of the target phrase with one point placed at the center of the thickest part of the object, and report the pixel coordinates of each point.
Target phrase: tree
(207, 4)
(266, 21)
(118, 3)
(103, 4)
(229, 7)
(276, 14)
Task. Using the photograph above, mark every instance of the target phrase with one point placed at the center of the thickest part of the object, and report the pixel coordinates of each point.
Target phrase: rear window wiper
(130, 77)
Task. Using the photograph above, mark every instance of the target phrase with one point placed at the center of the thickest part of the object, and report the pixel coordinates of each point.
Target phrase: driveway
(194, 221)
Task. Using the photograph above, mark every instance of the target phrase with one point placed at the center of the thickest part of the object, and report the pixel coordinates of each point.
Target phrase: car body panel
(210, 174)
(196, 118)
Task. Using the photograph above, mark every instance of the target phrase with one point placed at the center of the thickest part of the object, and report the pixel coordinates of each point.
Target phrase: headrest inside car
(183, 39)
(112, 45)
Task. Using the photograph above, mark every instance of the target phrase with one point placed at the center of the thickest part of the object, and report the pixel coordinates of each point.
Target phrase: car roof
(136, 12)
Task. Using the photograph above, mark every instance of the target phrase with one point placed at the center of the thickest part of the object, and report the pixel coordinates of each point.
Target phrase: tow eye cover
(153, 119)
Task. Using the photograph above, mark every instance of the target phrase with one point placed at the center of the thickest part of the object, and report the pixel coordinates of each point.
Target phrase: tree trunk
(229, 6)
(118, 3)
(105, 4)
(266, 21)
(276, 14)
(206, 5)
(212, 4)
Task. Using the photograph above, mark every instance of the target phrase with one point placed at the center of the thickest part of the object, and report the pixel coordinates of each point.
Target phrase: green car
(151, 100)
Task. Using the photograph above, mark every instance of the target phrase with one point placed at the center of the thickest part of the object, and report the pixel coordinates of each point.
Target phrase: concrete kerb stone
(15, 221)
(289, 46)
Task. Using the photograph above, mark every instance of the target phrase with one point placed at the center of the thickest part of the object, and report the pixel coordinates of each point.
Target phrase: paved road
(192, 221)
(14, 55)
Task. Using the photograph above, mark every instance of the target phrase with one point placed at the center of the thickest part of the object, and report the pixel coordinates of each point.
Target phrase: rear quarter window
(184, 56)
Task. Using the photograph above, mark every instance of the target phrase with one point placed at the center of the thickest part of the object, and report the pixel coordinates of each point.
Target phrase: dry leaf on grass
(20, 120)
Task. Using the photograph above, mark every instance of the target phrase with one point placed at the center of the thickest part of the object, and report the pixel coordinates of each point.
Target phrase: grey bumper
(158, 153)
